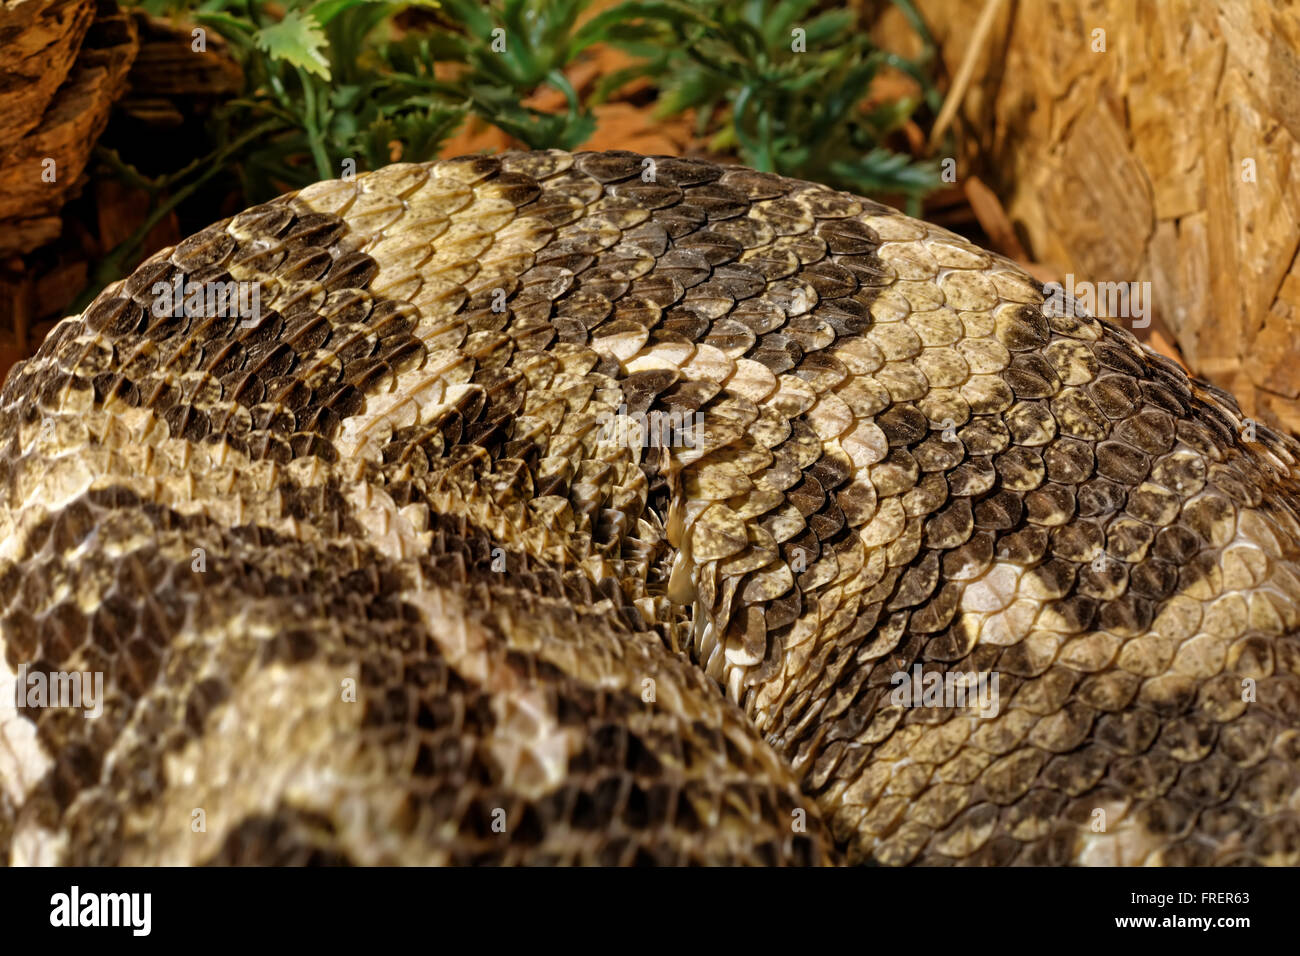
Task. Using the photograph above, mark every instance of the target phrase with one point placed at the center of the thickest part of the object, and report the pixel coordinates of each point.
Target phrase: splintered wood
(66, 66)
(1150, 142)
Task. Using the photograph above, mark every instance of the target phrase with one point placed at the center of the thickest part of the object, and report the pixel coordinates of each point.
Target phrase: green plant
(347, 85)
(328, 81)
(336, 81)
(776, 81)
(780, 83)
(535, 40)
(331, 81)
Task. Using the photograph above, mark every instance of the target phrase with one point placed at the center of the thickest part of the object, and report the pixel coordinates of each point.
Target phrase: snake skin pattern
(372, 580)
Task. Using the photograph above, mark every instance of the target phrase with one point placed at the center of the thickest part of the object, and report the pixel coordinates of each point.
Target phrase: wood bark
(1135, 140)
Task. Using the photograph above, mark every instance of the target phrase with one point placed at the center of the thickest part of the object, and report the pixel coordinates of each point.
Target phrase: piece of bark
(39, 40)
(20, 235)
(168, 66)
(46, 164)
(1150, 142)
(993, 219)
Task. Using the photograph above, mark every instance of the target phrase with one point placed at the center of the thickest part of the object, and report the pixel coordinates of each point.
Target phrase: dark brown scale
(115, 317)
(1031, 376)
(315, 230)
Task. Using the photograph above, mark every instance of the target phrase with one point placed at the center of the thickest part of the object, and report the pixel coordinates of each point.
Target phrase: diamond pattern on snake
(927, 569)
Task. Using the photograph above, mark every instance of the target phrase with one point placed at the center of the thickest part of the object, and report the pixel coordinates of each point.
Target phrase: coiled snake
(369, 578)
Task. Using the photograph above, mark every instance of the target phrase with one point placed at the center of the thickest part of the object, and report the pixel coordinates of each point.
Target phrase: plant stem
(314, 138)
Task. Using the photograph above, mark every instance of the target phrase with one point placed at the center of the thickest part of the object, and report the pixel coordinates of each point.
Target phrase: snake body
(371, 579)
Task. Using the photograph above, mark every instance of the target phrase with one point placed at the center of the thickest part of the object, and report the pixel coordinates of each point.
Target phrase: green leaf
(692, 90)
(298, 41)
(473, 15)
(829, 27)
(236, 30)
(664, 13)
(327, 10)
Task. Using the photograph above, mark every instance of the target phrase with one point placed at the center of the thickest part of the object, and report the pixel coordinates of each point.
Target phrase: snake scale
(371, 580)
